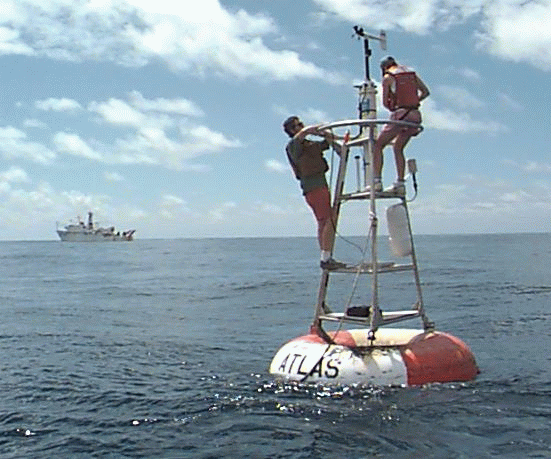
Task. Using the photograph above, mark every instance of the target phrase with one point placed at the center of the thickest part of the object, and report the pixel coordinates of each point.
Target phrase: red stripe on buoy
(343, 338)
(438, 357)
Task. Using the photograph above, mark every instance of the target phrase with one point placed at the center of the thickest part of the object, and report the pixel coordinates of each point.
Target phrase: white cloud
(533, 167)
(460, 97)
(204, 37)
(14, 144)
(116, 111)
(198, 37)
(448, 120)
(32, 123)
(270, 209)
(147, 140)
(10, 40)
(518, 31)
(409, 15)
(470, 74)
(219, 213)
(14, 174)
(171, 207)
(514, 30)
(509, 102)
(58, 105)
(174, 106)
(113, 177)
(74, 145)
(309, 115)
(171, 200)
(276, 166)
(514, 196)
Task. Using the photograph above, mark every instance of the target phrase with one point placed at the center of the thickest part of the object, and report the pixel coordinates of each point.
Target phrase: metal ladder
(374, 316)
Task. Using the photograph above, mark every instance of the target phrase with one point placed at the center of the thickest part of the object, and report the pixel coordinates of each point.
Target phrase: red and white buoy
(375, 354)
(397, 357)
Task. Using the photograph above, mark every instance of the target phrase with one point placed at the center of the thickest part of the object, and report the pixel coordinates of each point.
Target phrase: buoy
(397, 357)
(376, 354)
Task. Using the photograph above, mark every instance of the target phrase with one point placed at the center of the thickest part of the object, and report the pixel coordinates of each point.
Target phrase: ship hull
(69, 236)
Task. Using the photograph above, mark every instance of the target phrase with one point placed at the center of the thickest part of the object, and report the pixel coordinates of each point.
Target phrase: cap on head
(387, 62)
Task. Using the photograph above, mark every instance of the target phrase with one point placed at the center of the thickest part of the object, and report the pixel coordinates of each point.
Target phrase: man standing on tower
(309, 166)
(403, 92)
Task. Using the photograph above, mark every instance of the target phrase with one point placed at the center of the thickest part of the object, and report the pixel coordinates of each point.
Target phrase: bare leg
(382, 141)
(326, 234)
(399, 145)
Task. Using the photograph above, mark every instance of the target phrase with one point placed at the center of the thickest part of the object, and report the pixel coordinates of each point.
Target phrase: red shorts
(319, 200)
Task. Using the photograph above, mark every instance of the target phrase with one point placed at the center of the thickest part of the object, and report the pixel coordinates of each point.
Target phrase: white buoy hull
(398, 357)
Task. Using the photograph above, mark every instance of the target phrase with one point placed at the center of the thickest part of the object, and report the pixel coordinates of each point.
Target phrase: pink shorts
(403, 114)
(319, 200)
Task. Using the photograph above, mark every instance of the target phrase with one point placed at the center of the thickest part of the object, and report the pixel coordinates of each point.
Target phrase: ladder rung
(396, 316)
(367, 268)
(358, 195)
(387, 316)
(342, 317)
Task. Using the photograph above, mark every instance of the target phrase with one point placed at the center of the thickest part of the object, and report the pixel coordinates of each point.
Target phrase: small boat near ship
(89, 232)
(369, 352)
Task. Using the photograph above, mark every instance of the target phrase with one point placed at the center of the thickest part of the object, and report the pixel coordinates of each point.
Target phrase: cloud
(409, 15)
(219, 213)
(448, 120)
(58, 105)
(32, 123)
(159, 132)
(74, 145)
(14, 144)
(10, 40)
(517, 31)
(460, 97)
(118, 112)
(531, 167)
(276, 166)
(171, 207)
(509, 102)
(470, 74)
(309, 115)
(514, 30)
(161, 105)
(14, 174)
(201, 37)
(113, 177)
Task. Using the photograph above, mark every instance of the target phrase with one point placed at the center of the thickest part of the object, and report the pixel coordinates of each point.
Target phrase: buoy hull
(398, 357)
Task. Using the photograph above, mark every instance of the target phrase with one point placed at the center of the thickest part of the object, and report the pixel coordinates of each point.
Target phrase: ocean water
(160, 349)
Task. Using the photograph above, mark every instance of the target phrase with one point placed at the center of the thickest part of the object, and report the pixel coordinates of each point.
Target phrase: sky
(165, 117)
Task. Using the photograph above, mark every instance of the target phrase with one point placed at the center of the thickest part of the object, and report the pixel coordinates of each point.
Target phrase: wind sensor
(359, 32)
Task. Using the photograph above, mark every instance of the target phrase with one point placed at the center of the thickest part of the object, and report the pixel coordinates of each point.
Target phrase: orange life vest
(404, 94)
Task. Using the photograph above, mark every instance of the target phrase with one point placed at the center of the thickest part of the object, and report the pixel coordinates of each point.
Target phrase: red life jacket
(405, 93)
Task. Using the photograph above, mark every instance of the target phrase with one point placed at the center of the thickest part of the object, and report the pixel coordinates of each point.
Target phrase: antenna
(359, 31)
(381, 38)
(367, 94)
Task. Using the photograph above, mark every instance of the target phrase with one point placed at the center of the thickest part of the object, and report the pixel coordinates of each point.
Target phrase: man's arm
(314, 130)
(422, 88)
(308, 130)
(388, 99)
(331, 140)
